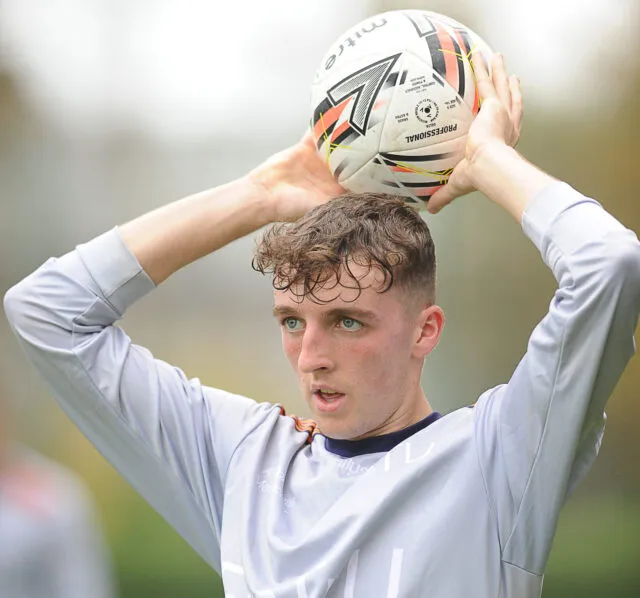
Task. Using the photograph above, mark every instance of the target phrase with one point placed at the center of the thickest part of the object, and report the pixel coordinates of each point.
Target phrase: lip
(327, 406)
(317, 387)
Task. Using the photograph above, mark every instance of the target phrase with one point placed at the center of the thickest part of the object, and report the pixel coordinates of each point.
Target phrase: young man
(379, 496)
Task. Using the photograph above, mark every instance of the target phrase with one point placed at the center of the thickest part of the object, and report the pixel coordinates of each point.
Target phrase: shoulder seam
(309, 426)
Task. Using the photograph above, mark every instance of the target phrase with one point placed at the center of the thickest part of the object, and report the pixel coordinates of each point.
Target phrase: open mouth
(328, 401)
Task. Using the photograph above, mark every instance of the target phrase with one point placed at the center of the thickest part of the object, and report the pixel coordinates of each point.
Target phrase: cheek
(291, 348)
(383, 357)
(370, 356)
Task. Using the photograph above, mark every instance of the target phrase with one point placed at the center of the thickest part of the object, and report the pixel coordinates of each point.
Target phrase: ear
(429, 325)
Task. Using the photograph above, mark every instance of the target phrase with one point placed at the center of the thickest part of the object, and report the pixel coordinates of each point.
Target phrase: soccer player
(378, 496)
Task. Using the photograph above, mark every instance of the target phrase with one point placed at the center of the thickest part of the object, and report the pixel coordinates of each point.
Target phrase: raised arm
(538, 435)
(491, 165)
(171, 437)
(282, 189)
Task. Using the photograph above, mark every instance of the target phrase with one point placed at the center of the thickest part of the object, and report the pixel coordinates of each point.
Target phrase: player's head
(354, 287)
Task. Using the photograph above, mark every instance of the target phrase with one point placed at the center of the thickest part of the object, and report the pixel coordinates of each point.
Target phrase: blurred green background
(109, 108)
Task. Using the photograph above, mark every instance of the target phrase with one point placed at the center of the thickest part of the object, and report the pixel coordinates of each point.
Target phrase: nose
(315, 351)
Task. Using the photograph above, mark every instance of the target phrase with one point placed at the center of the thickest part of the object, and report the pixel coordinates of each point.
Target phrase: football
(392, 102)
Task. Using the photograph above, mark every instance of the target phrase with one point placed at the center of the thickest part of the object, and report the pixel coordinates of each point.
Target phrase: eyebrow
(351, 312)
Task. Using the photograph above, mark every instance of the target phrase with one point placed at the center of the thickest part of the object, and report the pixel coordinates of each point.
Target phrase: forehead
(346, 293)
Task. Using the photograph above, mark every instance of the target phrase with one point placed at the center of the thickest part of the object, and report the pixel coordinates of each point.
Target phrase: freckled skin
(374, 359)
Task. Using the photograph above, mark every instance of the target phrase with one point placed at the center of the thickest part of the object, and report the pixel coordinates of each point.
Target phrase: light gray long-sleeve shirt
(457, 506)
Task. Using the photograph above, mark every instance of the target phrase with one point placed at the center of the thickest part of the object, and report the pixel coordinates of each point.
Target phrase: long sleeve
(538, 435)
(172, 438)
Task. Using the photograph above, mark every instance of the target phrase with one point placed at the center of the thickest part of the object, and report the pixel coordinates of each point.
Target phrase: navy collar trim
(377, 444)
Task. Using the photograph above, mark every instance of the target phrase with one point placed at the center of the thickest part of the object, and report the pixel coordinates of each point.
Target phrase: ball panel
(423, 109)
(376, 177)
(348, 119)
(364, 85)
(447, 47)
(389, 30)
(416, 174)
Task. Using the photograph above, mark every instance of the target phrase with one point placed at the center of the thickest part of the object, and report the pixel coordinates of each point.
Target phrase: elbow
(625, 262)
(23, 304)
(15, 305)
(621, 275)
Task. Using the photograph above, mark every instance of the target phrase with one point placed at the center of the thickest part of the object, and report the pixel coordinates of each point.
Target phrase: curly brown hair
(374, 230)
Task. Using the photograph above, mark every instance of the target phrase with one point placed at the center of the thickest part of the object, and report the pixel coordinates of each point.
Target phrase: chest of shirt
(312, 522)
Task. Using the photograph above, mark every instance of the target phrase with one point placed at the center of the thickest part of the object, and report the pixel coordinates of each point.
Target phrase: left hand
(498, 122)
(295, 180)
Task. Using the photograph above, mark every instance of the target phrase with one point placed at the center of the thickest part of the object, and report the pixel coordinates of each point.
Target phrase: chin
(337, 429)
(329, 427)
(336, 425)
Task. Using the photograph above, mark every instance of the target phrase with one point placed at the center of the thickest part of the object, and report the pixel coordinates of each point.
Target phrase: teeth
(328, 395)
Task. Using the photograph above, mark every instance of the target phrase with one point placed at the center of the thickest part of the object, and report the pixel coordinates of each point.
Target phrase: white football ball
(393, 100)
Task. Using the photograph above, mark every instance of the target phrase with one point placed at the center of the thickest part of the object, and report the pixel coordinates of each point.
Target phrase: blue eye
(291, 324)
(350, 324)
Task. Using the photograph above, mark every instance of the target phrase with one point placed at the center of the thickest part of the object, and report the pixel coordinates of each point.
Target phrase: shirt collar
(377, 444)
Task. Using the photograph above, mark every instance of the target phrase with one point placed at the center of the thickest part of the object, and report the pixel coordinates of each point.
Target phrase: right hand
(295, 180)
(497, 124)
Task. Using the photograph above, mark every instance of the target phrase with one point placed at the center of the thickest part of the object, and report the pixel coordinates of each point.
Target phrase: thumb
(453, 189)
(440, 199)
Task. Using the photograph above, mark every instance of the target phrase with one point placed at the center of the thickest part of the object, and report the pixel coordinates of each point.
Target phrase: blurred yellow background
(109, 108)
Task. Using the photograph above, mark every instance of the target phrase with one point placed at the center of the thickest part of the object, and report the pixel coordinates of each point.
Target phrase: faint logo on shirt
(350, 467)
(271, 481)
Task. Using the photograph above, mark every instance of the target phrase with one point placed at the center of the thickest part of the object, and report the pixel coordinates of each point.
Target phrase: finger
(307, 138)
(445, 195)
(483, 81)
(442, 197)
(516, 102)
(501, 81)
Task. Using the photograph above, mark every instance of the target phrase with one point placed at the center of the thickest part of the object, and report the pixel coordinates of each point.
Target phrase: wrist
(265, 182)
(487, 160)
(257, 194)
(506, 177)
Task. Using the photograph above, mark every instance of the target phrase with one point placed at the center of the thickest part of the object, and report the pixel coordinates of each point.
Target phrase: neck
(405, 416)
(422, 409)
